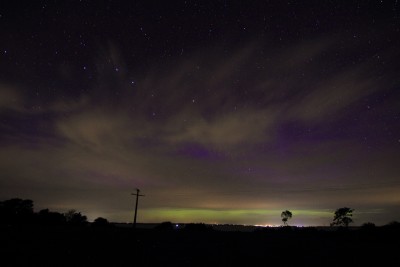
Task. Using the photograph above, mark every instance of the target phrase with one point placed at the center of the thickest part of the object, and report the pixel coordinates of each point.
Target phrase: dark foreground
(113, 246)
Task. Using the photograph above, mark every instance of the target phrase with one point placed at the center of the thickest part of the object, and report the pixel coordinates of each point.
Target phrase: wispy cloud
(129, 129)
(10, 98)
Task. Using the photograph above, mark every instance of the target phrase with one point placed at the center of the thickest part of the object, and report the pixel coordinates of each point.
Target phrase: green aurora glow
(241, 216)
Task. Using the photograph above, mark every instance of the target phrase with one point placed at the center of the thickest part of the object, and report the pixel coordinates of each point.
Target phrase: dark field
(115, 246)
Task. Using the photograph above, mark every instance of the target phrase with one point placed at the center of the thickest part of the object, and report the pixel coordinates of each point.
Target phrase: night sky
(219, 111)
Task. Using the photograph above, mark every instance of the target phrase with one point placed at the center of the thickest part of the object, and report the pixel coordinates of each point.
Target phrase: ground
(115, 246)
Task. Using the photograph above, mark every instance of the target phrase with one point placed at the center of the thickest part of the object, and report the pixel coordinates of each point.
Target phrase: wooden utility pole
(137, 201)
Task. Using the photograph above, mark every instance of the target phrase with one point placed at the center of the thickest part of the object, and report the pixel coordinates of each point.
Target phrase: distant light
(176, 225)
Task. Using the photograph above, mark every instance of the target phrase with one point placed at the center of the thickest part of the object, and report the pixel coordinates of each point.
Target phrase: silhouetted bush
(393, 225)
(368, 226)
(46, 217)
(101, 222)
(165, 226)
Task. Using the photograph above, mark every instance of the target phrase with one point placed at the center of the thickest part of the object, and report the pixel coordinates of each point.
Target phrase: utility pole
(137, 201)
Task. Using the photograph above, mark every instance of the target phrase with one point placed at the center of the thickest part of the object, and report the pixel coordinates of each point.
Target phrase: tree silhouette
(46, 217)
(100, 222)
(342, 217)
(75, 218)
(286, 215)
(16, 211)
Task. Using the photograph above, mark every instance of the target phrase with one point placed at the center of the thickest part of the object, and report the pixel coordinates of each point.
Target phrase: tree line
(341, 218)
(18, 211)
